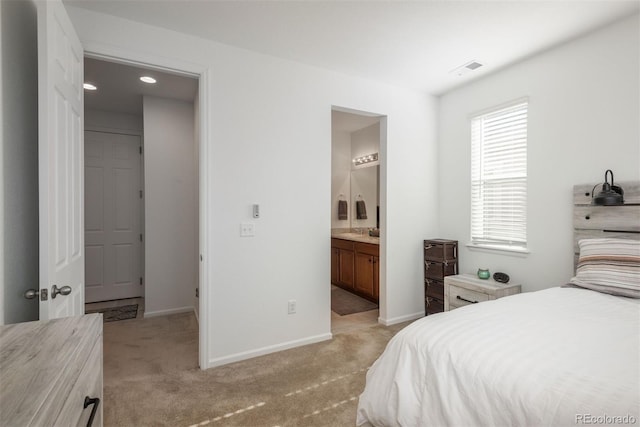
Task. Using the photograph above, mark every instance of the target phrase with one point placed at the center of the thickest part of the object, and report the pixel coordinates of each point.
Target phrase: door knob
(65, 290)
(32, 293)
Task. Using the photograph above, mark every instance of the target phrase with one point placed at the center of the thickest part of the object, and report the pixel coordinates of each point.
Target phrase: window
(499, 178)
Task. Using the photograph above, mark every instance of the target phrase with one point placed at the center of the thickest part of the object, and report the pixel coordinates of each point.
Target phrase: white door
(60, 160)
(113, 206)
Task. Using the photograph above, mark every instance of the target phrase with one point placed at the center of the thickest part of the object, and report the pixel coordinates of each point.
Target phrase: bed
(567, 355)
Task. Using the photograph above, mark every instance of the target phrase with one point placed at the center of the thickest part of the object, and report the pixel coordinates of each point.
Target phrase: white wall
(18, 160)
(269, 124)
(170, 206)
(108, 121)
(583, 119)
(340, 176)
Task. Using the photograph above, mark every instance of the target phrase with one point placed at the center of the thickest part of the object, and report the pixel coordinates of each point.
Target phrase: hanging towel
(342, 209)
(361, 210)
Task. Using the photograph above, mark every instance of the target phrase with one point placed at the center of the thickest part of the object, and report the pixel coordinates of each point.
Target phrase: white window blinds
(499, 177)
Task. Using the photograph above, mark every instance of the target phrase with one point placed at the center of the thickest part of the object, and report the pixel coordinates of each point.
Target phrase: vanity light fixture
(89, 86)
(365, 159)
(148, 79)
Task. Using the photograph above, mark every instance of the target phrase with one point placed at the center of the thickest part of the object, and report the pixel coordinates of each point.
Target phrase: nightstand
(465, 289)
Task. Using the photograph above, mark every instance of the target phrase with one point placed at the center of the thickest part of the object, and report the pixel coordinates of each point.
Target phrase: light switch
(247, 229)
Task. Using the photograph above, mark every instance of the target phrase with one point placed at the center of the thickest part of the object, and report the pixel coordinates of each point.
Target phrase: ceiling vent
(464, 69)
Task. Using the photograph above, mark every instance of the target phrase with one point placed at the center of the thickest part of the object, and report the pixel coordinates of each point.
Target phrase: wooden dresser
(51, 372)
(440, 260)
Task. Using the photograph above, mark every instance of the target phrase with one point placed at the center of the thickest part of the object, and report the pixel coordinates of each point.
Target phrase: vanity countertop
(356, 237)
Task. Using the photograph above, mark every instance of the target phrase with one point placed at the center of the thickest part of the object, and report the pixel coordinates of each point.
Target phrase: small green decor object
(483, 273)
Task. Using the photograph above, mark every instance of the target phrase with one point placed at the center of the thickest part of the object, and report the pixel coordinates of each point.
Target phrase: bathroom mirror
(365, 197)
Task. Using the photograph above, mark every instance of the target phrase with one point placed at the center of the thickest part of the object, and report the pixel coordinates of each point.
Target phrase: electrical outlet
(247, 229)
(292, 306)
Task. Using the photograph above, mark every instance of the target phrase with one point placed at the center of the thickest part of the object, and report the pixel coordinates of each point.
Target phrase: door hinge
(197, 292)
(141, 194)
(140, 149)
(141, 280)
(141, 237)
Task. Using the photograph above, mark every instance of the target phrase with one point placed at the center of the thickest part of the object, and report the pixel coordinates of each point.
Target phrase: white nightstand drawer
(459, 297)
(466, 289)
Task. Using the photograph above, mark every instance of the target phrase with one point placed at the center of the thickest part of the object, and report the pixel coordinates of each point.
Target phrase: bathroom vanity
(355, 264)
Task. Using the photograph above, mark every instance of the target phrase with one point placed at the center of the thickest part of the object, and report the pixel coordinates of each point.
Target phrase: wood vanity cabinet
(367, 268)
(343, 263)
(51, 372)
(355, 266)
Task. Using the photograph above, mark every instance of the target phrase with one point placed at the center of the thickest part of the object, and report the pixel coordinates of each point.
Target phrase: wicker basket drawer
(440, 250)
(438, 270)
(434, 288)
(434, 305)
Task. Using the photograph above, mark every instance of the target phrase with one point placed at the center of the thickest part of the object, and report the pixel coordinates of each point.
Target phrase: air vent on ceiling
(464, 69)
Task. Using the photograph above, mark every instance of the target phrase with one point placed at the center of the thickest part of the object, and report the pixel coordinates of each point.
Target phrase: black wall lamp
(610, 195)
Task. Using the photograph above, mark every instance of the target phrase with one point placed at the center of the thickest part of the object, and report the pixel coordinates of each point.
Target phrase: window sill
(501, 250)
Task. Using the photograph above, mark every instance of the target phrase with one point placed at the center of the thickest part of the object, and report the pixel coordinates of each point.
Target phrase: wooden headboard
(605, 221)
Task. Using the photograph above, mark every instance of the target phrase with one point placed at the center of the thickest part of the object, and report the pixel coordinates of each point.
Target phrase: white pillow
(611, 266)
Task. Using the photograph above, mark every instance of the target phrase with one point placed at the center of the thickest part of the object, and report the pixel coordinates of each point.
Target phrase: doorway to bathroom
(357, 140)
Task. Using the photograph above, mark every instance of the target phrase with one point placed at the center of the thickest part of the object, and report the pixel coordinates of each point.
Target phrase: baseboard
(400, 319)
(167, 312)
(197, 316)
(219, 361)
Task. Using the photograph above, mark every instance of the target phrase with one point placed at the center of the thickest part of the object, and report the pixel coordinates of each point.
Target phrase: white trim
(168, 312)
(219, 361)
(203, 218)
(400, 319)
(103, 51)
(501, 250)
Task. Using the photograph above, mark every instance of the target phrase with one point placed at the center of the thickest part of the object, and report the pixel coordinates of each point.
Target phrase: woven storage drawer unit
(440, 260)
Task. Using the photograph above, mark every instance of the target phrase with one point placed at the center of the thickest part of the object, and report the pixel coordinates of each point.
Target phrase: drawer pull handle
(464, 299)
(91, 401)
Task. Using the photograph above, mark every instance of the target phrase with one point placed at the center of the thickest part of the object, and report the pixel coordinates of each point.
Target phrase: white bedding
(536, 359)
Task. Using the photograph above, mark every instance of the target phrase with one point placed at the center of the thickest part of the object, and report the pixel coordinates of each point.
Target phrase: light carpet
(151, 378)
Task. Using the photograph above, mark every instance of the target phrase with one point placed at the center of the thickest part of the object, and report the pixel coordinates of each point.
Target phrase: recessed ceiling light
(148, 79)
(89, 86)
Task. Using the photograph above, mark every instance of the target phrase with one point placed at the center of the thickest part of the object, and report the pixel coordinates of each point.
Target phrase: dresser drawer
(441, 250)
(438, 270)
(89, 384)
(434, 288)
(433, 305)
(459, 297)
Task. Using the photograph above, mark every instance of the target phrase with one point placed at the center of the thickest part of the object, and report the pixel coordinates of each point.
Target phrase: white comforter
(555, 357)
